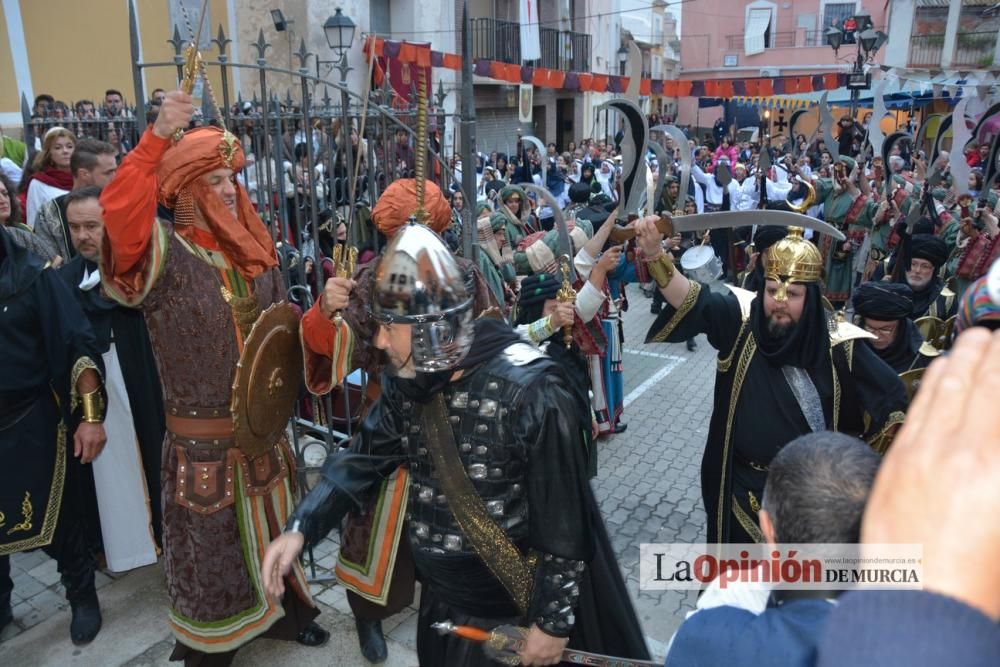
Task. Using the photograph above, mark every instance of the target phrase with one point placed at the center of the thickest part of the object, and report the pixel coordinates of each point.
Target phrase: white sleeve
(699, 175)
(588, 301)
(584, 263)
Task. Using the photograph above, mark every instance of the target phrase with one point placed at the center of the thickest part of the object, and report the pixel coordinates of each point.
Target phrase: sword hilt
(566, 294)
(345, 260)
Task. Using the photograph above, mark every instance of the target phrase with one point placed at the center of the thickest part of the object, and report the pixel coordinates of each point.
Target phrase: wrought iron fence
(302, 154)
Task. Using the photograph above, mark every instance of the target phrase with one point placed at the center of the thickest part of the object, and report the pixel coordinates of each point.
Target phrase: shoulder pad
(846, 331)
(522, 354)
(744, 296)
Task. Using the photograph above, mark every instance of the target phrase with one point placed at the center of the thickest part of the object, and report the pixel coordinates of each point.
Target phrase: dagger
(503, 644)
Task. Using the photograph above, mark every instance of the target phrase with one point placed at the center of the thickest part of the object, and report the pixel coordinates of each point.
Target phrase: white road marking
(657, 355)
(673, 363)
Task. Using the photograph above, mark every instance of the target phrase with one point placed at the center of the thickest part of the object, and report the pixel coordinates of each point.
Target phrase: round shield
(267, 380)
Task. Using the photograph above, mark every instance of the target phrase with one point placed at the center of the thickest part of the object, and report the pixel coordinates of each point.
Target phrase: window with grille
(835, 13)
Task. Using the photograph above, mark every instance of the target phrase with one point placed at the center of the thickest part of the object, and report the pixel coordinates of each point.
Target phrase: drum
(700, 263)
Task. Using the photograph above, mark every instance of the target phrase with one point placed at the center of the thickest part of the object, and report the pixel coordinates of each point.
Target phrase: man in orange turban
(183, 244)
(335, 348)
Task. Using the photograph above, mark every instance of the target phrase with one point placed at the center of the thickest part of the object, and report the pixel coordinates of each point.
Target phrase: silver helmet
(418, 282)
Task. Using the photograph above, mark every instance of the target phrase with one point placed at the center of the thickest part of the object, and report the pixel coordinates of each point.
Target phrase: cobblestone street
(647, 487)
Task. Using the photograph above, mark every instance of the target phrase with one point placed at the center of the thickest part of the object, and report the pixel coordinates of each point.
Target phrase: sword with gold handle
(345, 261)
(566, 294)
(505, 642)
(192, 61)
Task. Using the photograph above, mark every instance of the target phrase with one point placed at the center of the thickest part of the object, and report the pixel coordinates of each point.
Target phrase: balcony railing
(780, 40)
(972, 49)
(975, 49)
(926, 50)
(816, 38)
(493, 39)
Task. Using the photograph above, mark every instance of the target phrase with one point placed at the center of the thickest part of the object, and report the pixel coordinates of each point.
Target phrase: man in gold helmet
(786, 367)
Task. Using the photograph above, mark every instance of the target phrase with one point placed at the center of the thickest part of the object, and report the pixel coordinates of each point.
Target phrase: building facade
(723, 39)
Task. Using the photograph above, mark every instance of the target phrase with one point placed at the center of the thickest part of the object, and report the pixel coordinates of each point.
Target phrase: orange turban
(399, 202)
(244, 240)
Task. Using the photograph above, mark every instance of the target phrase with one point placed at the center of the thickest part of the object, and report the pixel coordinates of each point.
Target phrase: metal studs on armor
(426, 494)
(421, 451)
(495, 507)
(488, 408)
(461, 400)
(465, 447)
(492, 386)
(515, 489)
(407, 405)
(436, 537)
(473, 404)
(454, 419)
(477, 471)
(421, 530)
(482, 428)
(415, 428)
(556, 579)
(481, 450)
(405, 440)
(452, 542)
(496, 473)
(441, 499)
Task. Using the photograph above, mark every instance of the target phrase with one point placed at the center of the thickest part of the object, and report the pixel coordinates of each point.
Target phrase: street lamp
(622, 59)
(863, 20)
(834, 37)
(869, 42)
(339, 31)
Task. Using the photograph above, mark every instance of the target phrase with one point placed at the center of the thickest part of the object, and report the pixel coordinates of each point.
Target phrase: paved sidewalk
(647, 487)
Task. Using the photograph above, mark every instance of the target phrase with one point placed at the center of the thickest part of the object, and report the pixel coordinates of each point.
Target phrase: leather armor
(480, 405)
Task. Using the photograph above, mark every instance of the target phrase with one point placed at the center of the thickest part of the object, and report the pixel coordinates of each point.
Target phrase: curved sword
(633, 160)
(680, 142)
(796, 115)
(922, 132)
(562, 232)
(875, 135)
(887, 145)
(697, 222)
(942, 129)
(961, 135)
(661, 178)
(826, 119)
(543, 158)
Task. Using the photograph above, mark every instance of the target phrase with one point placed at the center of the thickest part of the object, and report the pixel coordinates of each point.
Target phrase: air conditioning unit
(769, 72)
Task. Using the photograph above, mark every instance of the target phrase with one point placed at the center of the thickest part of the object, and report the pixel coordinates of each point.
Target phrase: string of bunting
(423, 56)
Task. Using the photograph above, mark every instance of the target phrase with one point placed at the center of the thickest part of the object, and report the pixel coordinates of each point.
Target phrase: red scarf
(57, 178)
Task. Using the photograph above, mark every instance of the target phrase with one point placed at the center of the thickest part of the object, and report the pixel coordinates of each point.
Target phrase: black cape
(43, 336)
(126, 327)
(851, 381)
(569, 523)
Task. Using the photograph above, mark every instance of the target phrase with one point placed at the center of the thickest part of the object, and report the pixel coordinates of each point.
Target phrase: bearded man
(928, 253)
(184, 245)
(784, 370)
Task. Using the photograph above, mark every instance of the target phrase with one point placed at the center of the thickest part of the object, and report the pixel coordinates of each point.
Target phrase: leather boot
(6, 611)
(86, 621)
(313, 635)
(371, 640)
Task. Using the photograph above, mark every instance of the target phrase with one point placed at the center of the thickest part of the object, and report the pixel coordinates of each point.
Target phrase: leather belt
(202, 432)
